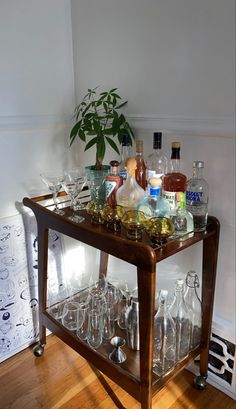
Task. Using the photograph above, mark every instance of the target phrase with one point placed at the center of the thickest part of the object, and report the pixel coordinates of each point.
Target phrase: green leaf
(74, 132)
(121, 105)
(113, 144)
(91, 143)
(82, 135)
(112, 90)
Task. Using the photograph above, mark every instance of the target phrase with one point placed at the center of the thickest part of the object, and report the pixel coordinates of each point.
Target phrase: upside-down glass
(54, 183)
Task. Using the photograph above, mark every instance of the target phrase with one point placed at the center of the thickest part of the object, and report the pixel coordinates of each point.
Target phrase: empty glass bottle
(181, 317)
(164, 354)
(193, 303)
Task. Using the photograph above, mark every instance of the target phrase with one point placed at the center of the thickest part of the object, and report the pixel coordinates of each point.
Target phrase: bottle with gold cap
(175, 181)
(141, 170)
(130, 193)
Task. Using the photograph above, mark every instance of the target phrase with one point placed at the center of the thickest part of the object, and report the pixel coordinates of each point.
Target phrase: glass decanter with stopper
(181, 317)
(130, 193)
(194, 306)
(164, 354)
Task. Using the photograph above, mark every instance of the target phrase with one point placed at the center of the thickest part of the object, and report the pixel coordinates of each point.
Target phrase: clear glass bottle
(181, 317)
(140, 172)
(194, 305)
(153, 204)
(157, 162)
(183, 219)
(130, 193)
(197, 191)
(125, 154)
(112, 182)
(175, 181)
(164, 357)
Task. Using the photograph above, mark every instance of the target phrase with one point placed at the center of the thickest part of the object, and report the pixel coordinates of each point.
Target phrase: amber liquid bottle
(174, 182)
(140, 173)
(112, 183)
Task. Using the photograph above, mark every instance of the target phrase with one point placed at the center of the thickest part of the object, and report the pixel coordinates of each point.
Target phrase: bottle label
(193, 196)
(109, 187)
(173, 198)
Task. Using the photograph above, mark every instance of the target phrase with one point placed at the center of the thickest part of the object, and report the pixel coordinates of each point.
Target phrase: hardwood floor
(61, 379)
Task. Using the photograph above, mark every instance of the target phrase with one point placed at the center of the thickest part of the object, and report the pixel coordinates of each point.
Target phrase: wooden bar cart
(135, 374)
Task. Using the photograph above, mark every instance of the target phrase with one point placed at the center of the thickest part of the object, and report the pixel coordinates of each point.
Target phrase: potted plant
(98, 117)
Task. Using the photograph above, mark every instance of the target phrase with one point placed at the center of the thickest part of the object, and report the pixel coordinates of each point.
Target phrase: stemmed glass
(73, 183)
(54, 183)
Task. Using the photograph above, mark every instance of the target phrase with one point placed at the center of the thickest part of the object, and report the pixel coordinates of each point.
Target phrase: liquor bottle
(193, 303)
(130, 193)
(197, 197)
(156, 163)
(125, 154)
(140, 172)
(164, 354)
(174, 182)
(153, 204)
(183, 219)
(112, 182)
(180, 315)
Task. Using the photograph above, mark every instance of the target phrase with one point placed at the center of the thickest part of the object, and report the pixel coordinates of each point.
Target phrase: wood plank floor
(61, 379)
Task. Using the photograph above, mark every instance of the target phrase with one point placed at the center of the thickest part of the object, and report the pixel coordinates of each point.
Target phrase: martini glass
(77, 176)
(54, 183)
(73, 184)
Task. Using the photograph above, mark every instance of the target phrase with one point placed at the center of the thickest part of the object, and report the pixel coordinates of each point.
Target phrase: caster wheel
(200, 382)
(38, 350)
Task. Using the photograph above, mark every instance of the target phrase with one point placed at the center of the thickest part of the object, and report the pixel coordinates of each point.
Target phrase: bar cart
(135, 375)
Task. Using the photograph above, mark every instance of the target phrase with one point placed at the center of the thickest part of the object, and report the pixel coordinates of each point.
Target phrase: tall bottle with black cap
(157, 162)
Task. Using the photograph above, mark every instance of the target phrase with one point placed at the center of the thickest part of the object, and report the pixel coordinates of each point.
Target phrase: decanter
(130, 193)
(193, 303)
(164, 354)
(181, 317)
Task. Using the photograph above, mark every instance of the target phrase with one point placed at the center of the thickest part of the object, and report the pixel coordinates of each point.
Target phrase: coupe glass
(73, 183)
(54, 183)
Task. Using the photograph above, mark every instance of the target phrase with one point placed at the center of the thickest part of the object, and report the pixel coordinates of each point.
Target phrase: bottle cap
(175, 150)
(125, 140)
(139, 146)
(114, 163)
(157, 140)
(131, 166)
(198, 164)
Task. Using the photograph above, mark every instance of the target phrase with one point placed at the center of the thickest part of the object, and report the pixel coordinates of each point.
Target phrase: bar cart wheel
(38, 350)
(200, 382)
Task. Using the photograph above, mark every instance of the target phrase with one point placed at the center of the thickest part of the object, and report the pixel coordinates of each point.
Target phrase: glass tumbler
(95, 327)
(69, 316)
(82, 321)
(108, 320)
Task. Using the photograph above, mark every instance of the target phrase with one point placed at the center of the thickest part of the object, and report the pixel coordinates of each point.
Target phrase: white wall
(174, 62)
(36, 94)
